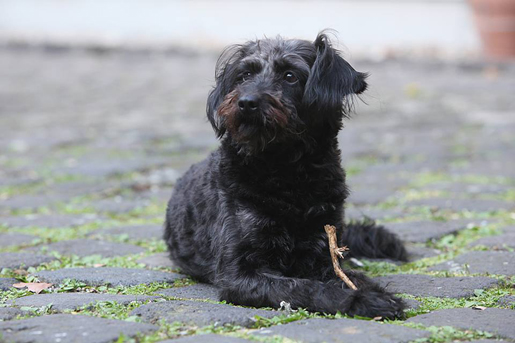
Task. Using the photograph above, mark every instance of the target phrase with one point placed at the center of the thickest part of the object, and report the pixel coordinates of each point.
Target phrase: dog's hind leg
(366, 239)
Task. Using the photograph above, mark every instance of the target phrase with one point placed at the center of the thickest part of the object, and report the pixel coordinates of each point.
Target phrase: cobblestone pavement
(91, 143)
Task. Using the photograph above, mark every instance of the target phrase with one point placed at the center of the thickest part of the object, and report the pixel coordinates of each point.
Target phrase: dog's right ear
(225, 76)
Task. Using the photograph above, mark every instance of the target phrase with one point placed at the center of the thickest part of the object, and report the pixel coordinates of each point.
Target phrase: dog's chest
(279, 243)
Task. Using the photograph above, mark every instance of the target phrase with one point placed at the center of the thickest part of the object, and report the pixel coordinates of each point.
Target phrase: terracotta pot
(496, 23)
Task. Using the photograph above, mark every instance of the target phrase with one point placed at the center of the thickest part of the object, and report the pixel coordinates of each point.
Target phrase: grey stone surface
(32, 201)
(95, 166)
(456, 204)
(10, 239)
(8, 313)
(106, 275)
(508, 300)
(119, 205)
(412, 303)
(359, 213)
(87, 247)
(6, 283)
(15, 260)
(55, 124)
(493, 320)
(209, 338)
(159, 260)
(82, 188)
(49, 220)
(467, 188)
(430, 286)
(497, 166)
(137, 232)
(419, 251)
(422, 231)
(363, 195)
(70, 328)
(72, 301)
(197, 291)
(199, 313)
(491, 262)
(500, 242)
(344, 330)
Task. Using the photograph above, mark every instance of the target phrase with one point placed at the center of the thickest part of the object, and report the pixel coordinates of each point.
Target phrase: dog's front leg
(262, 288)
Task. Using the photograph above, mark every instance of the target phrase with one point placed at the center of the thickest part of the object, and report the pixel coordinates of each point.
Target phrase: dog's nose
(248, 103)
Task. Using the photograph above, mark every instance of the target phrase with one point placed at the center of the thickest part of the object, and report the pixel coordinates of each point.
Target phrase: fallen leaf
(35, 287)
(98, 265)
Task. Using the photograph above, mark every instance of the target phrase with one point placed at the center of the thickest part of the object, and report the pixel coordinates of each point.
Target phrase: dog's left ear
(331, 80)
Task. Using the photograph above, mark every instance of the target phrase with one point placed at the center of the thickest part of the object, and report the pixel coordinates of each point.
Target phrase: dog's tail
(367, 239)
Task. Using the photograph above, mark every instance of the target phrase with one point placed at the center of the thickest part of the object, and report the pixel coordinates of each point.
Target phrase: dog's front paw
(376, 303)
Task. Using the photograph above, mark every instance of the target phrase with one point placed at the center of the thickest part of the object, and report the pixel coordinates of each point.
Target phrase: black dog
(250, 218)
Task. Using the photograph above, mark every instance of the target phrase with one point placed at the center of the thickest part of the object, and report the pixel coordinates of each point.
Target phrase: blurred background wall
(367, 28)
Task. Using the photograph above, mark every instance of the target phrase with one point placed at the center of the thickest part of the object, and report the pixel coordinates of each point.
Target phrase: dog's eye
(290, 77)
(246, 75)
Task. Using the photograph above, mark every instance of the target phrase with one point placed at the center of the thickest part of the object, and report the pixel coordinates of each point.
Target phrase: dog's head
(275, 91)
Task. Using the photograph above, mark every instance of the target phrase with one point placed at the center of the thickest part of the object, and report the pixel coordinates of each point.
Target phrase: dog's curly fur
(250, 218)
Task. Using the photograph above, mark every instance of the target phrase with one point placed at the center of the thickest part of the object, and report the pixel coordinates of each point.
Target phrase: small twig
(335, 253)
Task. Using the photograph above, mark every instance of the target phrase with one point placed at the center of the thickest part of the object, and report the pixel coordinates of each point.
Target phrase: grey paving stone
(430, 286)
(197, 291)
(10, 239)
(493, 320)
(416, 251)
(488, 168)
(119, 205)
(419, 251)
(107, 275)
(160, 260)
(87, 247)
(199, 313)
(81, 188)
(14, 260)
(508, 300)
(209, 338)
(31, 201)
(70, 328)
(49, 220)
(152, 231)
(359, 213)
(412, 303)
(381, 176)
(72, 301)
(467, 188)
(6, 283)
(491, 262)
(422, 231)
(8, 313)
(455, 204)
(500, 242)
(362, 195)
(17, 181)
(344, 330)
(96, 166)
